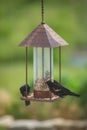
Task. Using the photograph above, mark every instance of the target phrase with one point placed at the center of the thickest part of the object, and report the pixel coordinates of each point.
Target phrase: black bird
(24, 90)
(56, 88)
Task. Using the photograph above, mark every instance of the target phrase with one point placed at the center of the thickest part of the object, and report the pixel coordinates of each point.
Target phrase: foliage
(17, 19)
(83, 102)
(11, 81)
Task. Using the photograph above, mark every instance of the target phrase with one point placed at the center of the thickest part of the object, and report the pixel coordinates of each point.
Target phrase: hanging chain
(42, 4)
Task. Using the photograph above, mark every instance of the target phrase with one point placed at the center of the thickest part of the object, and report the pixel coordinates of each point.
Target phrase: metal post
(36, 60)
(50, 64)
(26, 69)
(43, 63)
(59, 64)
(50, 68)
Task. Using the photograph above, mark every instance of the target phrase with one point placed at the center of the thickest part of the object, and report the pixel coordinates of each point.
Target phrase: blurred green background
(17, 19)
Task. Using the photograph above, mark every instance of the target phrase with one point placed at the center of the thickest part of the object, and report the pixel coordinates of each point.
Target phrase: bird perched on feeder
(24, 90)
(56, 88)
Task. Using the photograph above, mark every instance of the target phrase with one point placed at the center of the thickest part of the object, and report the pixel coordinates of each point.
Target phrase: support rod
(36, 60)
(26, 49)
(50, 68)
(42, 62)
(59, 64)
(50, 64)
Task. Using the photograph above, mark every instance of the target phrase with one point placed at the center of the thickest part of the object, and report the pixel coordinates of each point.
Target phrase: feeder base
(42, 94)
(32, 98)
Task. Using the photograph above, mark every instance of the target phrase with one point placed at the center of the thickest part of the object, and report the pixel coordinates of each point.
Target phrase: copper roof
(43, 36)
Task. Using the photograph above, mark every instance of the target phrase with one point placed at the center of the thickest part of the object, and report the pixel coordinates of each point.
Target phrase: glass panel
(48, 63)
(43, 63)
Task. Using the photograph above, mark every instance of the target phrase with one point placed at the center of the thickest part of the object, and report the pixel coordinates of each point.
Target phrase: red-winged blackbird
(56, 88)
(24, 90)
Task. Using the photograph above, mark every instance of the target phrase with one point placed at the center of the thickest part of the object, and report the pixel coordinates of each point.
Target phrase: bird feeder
(43, 39)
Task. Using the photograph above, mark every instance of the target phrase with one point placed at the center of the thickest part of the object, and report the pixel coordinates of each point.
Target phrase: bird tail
(74, 94)
(27, 103)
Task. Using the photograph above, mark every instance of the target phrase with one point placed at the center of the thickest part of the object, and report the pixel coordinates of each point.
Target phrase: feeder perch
(43, 39)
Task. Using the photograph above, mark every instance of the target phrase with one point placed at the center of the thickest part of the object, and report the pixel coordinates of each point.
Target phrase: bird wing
(59, 86)
(55, 89)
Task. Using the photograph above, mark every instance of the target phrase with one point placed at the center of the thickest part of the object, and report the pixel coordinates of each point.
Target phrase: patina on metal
(43, 36)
